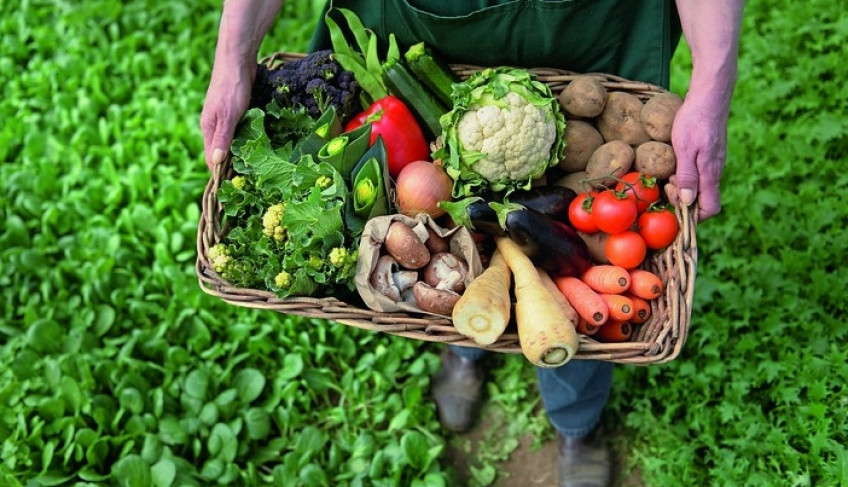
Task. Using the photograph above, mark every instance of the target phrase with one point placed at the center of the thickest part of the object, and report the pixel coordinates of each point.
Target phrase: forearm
(711, 28)
(244, 24)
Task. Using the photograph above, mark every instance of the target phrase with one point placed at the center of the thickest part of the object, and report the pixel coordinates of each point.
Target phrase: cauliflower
(505, 130)
(271, 222)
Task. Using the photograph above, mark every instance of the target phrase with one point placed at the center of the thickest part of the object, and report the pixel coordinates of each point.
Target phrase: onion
(420, 186)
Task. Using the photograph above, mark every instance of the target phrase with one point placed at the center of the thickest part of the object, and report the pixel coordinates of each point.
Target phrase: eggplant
(475, 214)
(549, 243)
(547, 200)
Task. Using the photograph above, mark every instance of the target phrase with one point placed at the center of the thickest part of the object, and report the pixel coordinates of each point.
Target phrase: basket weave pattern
(658, 340)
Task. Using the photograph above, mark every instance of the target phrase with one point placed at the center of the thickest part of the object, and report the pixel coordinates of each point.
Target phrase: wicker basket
(658, 340)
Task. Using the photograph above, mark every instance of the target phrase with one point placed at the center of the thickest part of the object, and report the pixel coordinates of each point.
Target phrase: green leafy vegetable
(285, 221)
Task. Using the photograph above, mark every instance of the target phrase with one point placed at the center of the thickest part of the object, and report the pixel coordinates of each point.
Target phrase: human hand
(699, 138)
(227, 98)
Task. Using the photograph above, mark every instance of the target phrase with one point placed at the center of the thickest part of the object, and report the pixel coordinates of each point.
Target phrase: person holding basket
(633, 39)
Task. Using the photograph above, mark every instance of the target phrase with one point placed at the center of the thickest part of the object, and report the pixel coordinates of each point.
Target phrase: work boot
(583, 462)
(457, 389)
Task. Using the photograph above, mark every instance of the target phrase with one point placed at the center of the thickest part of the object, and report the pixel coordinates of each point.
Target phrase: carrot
(645, 284)
(589, 304)
(551, 285)
(586, 328)
(609, 279)
(482, 313)
(546, 334)
(641, 308)
(615, 331)
(620, 307)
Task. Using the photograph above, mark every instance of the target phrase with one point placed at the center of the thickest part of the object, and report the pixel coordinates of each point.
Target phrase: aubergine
(547, 200)
(549, 243)
(475, 214)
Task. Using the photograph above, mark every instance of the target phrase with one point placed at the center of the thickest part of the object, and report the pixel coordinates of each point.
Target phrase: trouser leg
(468, 353)
(574, 394)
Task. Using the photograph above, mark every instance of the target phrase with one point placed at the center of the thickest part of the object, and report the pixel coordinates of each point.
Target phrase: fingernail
(218, 156)
(687, 196)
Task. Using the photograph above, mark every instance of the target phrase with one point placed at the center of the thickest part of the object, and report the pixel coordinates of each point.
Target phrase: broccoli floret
(324, 182)
(219, 257)
(339, 256)
(315, 262)
(283, 280)
(239, 182)
(271, 222)
(344, 261)
(315, 82)
(224, 264)
(262, 87)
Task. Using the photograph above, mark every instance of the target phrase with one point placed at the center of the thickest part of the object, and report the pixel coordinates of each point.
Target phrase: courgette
(431, 71)
(423, 104)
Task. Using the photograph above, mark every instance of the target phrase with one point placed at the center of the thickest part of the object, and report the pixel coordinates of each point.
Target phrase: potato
(622, 119)
(611, 160)
(573, 181)
(656, 158)
(658, 115)
(585, 96)
(581, 141)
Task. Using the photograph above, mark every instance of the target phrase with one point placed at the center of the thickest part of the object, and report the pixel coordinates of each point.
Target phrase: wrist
(713, 84)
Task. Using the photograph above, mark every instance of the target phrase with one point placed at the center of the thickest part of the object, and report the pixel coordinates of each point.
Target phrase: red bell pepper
(403, 137)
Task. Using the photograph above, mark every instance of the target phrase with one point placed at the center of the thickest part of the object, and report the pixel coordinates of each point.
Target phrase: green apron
(634, 39)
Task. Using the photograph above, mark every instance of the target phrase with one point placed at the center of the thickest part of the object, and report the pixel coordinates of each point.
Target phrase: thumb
(686, 180)
(221, 142)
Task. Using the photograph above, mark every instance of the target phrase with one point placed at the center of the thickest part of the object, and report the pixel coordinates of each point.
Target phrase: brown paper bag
(371, 248)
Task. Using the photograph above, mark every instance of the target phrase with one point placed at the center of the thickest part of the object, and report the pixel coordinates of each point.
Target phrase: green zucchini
(423, 104)
(432, 72)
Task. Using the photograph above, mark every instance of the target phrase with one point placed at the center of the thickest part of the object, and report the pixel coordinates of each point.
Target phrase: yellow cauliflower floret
(218, 257)
(271, 222)
(283, 279)
(324, 182)
(338, 256)
(239, 182)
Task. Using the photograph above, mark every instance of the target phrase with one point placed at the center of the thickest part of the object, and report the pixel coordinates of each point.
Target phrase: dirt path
(528, 465)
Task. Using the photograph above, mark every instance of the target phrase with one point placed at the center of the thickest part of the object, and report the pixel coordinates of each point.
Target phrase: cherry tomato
(658, 227)
(641, 188)
(580, 213)
(613, 212)
(626, 249)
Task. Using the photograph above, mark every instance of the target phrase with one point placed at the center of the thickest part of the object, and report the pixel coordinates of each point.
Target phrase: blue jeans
(574, 395)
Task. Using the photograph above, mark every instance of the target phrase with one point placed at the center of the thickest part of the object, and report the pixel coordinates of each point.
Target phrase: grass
(116, 369)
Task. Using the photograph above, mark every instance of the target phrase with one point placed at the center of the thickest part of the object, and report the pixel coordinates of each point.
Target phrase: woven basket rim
(659, 340)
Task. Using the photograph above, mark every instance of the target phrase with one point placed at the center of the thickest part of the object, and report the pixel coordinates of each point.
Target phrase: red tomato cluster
(630, 214)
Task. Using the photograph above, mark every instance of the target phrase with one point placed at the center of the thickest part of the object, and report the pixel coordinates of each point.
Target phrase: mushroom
(406, 246)
(436, 243)
(382, 278)
(439, 301)
(446, 271)
(405, 279)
